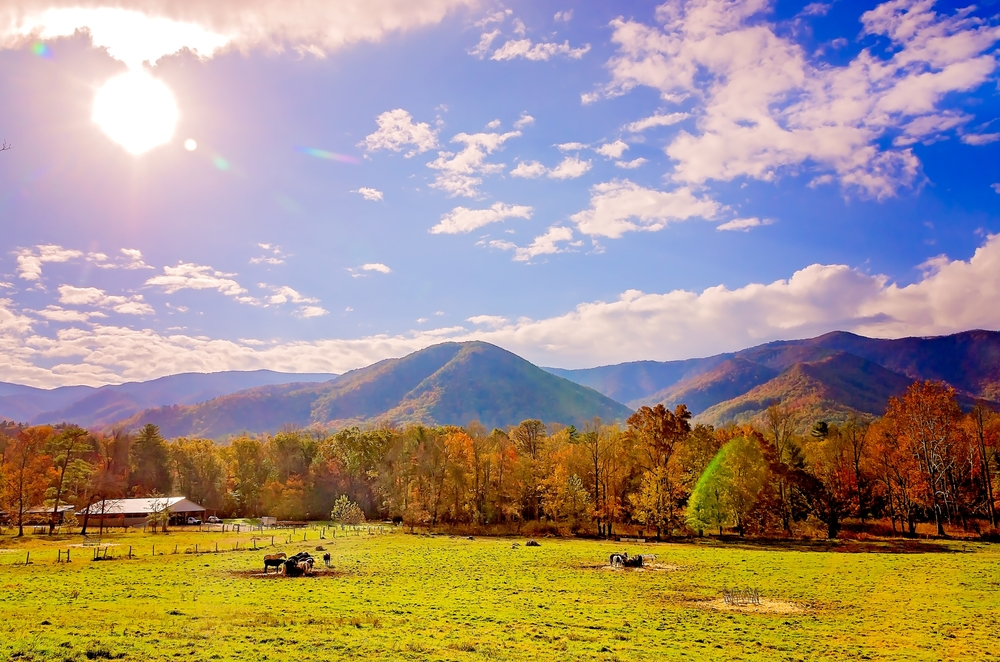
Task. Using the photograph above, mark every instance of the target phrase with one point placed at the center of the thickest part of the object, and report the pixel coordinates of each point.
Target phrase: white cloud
(91, 296)
(462, 172)
(284, 294)
(612, 150)
(524, 120)
(816, 9)
(134, 257)
(570, 168)
(57, 314)
(498, 16)
(493, 124)
(621, 206)
(529, 170)
(29, 262)
(546, 244)
(564, 16)
(187, 276)
(134, 36)
(369, 193)
(744, 224)
(311, 311)
(995, 187)
(461, 219)
(397, 130)
(275, 258)
(631, 165)
(516, 48)
(377, 266)
(764, 106)
(488, 320)
(485, 41)
(980, 138)
(948, 296)
(570, 147)
(668, 119)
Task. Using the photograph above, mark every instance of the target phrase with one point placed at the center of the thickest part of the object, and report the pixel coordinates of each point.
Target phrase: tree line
(924, 460)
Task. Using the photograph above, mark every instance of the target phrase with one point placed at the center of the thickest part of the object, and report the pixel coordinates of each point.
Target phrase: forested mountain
(89, 406)
(447, 384)
(833, 373)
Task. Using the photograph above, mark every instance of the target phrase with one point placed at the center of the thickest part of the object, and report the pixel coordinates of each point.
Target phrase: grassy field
(416, 597)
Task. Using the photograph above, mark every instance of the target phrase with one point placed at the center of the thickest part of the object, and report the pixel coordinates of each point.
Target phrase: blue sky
(581, 183)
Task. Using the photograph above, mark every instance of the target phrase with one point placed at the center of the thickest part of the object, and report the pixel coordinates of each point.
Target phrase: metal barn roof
(175, 504)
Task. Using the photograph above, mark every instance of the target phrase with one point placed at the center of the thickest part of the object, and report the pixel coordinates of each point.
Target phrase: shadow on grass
(881, 546)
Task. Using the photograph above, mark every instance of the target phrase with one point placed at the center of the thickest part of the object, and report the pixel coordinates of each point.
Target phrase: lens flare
(190, 144)
(136, 111)
(329, 156)
(41, 50)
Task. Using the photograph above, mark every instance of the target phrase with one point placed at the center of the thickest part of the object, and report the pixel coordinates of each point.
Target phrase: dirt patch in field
(766, 606)
(318, 573)
(649, 567)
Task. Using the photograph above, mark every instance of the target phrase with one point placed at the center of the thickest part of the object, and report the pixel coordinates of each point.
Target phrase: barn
(135, 512)
(43, 514)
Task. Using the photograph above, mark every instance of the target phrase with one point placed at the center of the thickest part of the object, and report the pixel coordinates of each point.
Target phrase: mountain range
(828, 378)
(91, 407)
(447, 384)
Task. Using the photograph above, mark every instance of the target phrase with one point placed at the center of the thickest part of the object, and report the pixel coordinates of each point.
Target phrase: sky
(312, 186)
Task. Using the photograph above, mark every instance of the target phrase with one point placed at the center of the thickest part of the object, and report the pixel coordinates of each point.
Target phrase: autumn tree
(111, 471)
(983, 426)
(599, 442)
(926, 418)
(659, 433)
(27, 471)
(529, 439)
(67, 450)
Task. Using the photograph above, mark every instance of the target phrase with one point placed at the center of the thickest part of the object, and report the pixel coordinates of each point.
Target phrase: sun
(136, 111)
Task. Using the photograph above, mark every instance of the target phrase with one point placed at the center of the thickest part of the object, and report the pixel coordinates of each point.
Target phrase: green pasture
(415, 597)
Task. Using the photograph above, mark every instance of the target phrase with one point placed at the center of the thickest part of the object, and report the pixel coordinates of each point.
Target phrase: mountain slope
(635, 383)
(831, 389)
(94, 407)
(969, 361)
(447, 384)
(729, 379)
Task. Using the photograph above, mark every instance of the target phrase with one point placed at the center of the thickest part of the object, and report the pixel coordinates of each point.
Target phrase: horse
(274, 561)
(326, 559)
(617, 560)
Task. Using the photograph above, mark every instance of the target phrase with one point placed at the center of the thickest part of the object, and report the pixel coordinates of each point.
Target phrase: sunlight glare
(136, 111)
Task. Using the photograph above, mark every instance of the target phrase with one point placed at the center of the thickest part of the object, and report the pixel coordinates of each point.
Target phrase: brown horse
(273, 561)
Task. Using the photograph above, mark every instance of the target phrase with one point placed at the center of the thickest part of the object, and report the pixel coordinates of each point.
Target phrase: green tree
(150, 458)
(249, 471)
(347, 512)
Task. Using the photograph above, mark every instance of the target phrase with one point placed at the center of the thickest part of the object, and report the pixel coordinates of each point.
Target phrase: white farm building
(135, 512)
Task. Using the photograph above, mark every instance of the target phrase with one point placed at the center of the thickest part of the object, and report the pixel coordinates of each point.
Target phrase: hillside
(831, 389)
(447, 384)
(729, 379)
(98, 406)
(969, 361)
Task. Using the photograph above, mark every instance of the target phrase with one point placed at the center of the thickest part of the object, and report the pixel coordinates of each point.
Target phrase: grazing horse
(326, 559)
(273, 561)
(617, 560)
